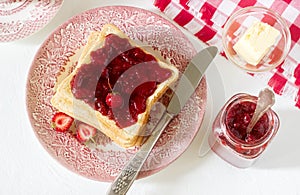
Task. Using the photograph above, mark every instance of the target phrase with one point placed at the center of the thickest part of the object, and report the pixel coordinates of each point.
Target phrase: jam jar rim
(272, 116)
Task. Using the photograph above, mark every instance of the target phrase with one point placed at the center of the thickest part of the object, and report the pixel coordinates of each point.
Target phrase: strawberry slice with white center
(85, 132)
(61, 122)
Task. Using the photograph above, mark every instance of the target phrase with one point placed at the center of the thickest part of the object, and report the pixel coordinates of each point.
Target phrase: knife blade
(185, 88)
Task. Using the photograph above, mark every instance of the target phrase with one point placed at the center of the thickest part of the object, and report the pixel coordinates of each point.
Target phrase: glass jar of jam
(229, 138)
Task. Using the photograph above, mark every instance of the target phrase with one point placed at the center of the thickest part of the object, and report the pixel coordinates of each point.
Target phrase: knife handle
(126, 177)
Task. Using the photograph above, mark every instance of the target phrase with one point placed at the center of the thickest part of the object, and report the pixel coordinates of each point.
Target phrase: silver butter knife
(185, 88)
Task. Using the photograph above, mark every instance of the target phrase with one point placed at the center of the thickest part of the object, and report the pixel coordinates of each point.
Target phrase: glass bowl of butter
(256, 39)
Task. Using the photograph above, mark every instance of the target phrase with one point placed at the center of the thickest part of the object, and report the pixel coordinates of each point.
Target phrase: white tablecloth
(26, 168)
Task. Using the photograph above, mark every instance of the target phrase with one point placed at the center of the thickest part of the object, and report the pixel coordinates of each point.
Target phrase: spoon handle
(265, 101)
(256, 116)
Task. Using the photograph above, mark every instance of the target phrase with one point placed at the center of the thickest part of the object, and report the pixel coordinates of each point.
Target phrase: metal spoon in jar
(265, 101)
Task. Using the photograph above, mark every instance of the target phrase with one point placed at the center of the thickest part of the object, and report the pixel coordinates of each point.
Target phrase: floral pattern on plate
(21, 18)
(56, 58)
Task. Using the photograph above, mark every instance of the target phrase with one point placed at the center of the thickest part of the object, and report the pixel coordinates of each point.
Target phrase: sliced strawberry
(85, 132)
(61, 122)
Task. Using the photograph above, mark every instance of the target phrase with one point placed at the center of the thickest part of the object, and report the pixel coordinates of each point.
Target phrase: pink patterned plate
(56, 58)
(21, 18)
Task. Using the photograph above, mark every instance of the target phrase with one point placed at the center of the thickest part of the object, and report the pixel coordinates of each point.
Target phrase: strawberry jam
(118, 80)
(229, 138)
(238, 118)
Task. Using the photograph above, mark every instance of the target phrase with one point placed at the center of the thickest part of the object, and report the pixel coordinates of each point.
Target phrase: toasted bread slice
(65, 101)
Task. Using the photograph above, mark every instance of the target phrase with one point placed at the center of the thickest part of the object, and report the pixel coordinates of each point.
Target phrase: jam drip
(119, 80)
(238, 118)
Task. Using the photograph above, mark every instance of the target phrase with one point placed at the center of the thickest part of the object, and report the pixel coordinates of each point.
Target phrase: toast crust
(64, 100)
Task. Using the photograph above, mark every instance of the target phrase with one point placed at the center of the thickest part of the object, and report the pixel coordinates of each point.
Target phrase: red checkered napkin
(205, 19)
